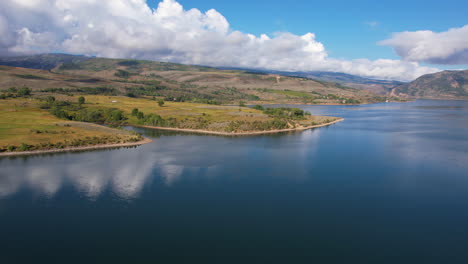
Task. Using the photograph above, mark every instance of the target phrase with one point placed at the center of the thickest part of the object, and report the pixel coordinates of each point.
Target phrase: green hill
(172, 81)
(445, 84)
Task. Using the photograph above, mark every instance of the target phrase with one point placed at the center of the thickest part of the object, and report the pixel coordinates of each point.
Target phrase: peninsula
(64, 106)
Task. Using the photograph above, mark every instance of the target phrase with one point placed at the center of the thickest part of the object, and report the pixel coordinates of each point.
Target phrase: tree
(135, 111)
(259, 107)
(24, 147)
(24, 91)
(115, 116)
(241, 104)
(50, 99)
(140, 115)
(81, 100)
(160, 102)
(122, 74)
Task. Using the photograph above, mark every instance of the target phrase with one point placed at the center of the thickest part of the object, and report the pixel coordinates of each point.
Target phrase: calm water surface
(388, 185)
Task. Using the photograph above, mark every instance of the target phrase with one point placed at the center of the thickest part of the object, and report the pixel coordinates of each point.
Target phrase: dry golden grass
(177, 110)
(21, 121)
(191, 80)
(216, 115)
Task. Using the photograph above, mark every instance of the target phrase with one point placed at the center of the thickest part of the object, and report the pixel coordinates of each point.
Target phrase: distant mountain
(348, 78)
(378, 86)
(42, 61)
(52, 60)
(445, 84)
(343, 79)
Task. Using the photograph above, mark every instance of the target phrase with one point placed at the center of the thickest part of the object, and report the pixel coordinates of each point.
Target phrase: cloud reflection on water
(125, 172)
(122, 171)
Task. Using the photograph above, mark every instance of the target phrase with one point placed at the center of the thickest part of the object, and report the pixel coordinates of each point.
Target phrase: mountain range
(446, 84)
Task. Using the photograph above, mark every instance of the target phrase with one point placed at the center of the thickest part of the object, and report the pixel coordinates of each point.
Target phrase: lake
(387, 185)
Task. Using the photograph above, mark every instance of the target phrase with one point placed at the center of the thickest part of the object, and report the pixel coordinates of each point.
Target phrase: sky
(397, 40)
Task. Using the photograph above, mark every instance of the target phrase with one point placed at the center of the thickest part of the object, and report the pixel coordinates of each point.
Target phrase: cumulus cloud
(449, 47)
(131, 29)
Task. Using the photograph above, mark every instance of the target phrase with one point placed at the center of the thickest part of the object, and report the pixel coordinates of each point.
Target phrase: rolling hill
(441, 85)
(41, 61)
(174, 82)
(377, 86)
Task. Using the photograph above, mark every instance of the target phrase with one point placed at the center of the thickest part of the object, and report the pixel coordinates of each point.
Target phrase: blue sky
(396, 40)
(348, 29)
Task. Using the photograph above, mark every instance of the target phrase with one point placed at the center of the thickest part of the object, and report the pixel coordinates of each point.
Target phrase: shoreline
(252, 133)
(147, 140)
(76, 149)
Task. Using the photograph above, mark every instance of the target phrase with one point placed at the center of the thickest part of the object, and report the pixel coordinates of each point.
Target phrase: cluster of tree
(258, 107)
(144, 82)
(101, 90)
(245, 126)
(76, 112)
(14, 92)
(122, 74)
(98, 115)
(153, 119)
(130, 63)
(56, 90)
(151, 90)
(350, 101)
(286, 112)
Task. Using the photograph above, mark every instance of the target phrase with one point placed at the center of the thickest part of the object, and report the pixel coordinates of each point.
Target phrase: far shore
(251, 133)
(76, 149)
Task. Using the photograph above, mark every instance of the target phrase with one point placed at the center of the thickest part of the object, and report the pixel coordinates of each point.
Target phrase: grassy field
(194, 116)
(24, 124)
(179, 110)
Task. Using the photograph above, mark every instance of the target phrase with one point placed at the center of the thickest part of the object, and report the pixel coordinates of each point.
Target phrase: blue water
(387, 185)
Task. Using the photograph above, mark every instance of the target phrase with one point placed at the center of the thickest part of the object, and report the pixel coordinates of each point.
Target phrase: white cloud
(449, 47)
(130, 29)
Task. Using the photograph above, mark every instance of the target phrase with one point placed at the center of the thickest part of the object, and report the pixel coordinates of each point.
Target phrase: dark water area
(387, 185)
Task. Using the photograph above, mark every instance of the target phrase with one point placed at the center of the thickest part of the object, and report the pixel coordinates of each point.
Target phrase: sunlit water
(388, 185)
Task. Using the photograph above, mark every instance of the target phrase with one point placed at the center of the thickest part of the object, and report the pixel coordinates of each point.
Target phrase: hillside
(378, 86)
(446, 84)
(338, 78)
(177, 82)
(41, 61)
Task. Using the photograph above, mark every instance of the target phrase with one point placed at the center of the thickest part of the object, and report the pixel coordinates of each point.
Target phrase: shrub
(115, 116)
(130, 94)
(122, 74)
(140, 115)
(258, 107)
(24, 147)
(50, 99)
(160, 102)
(24, 91)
